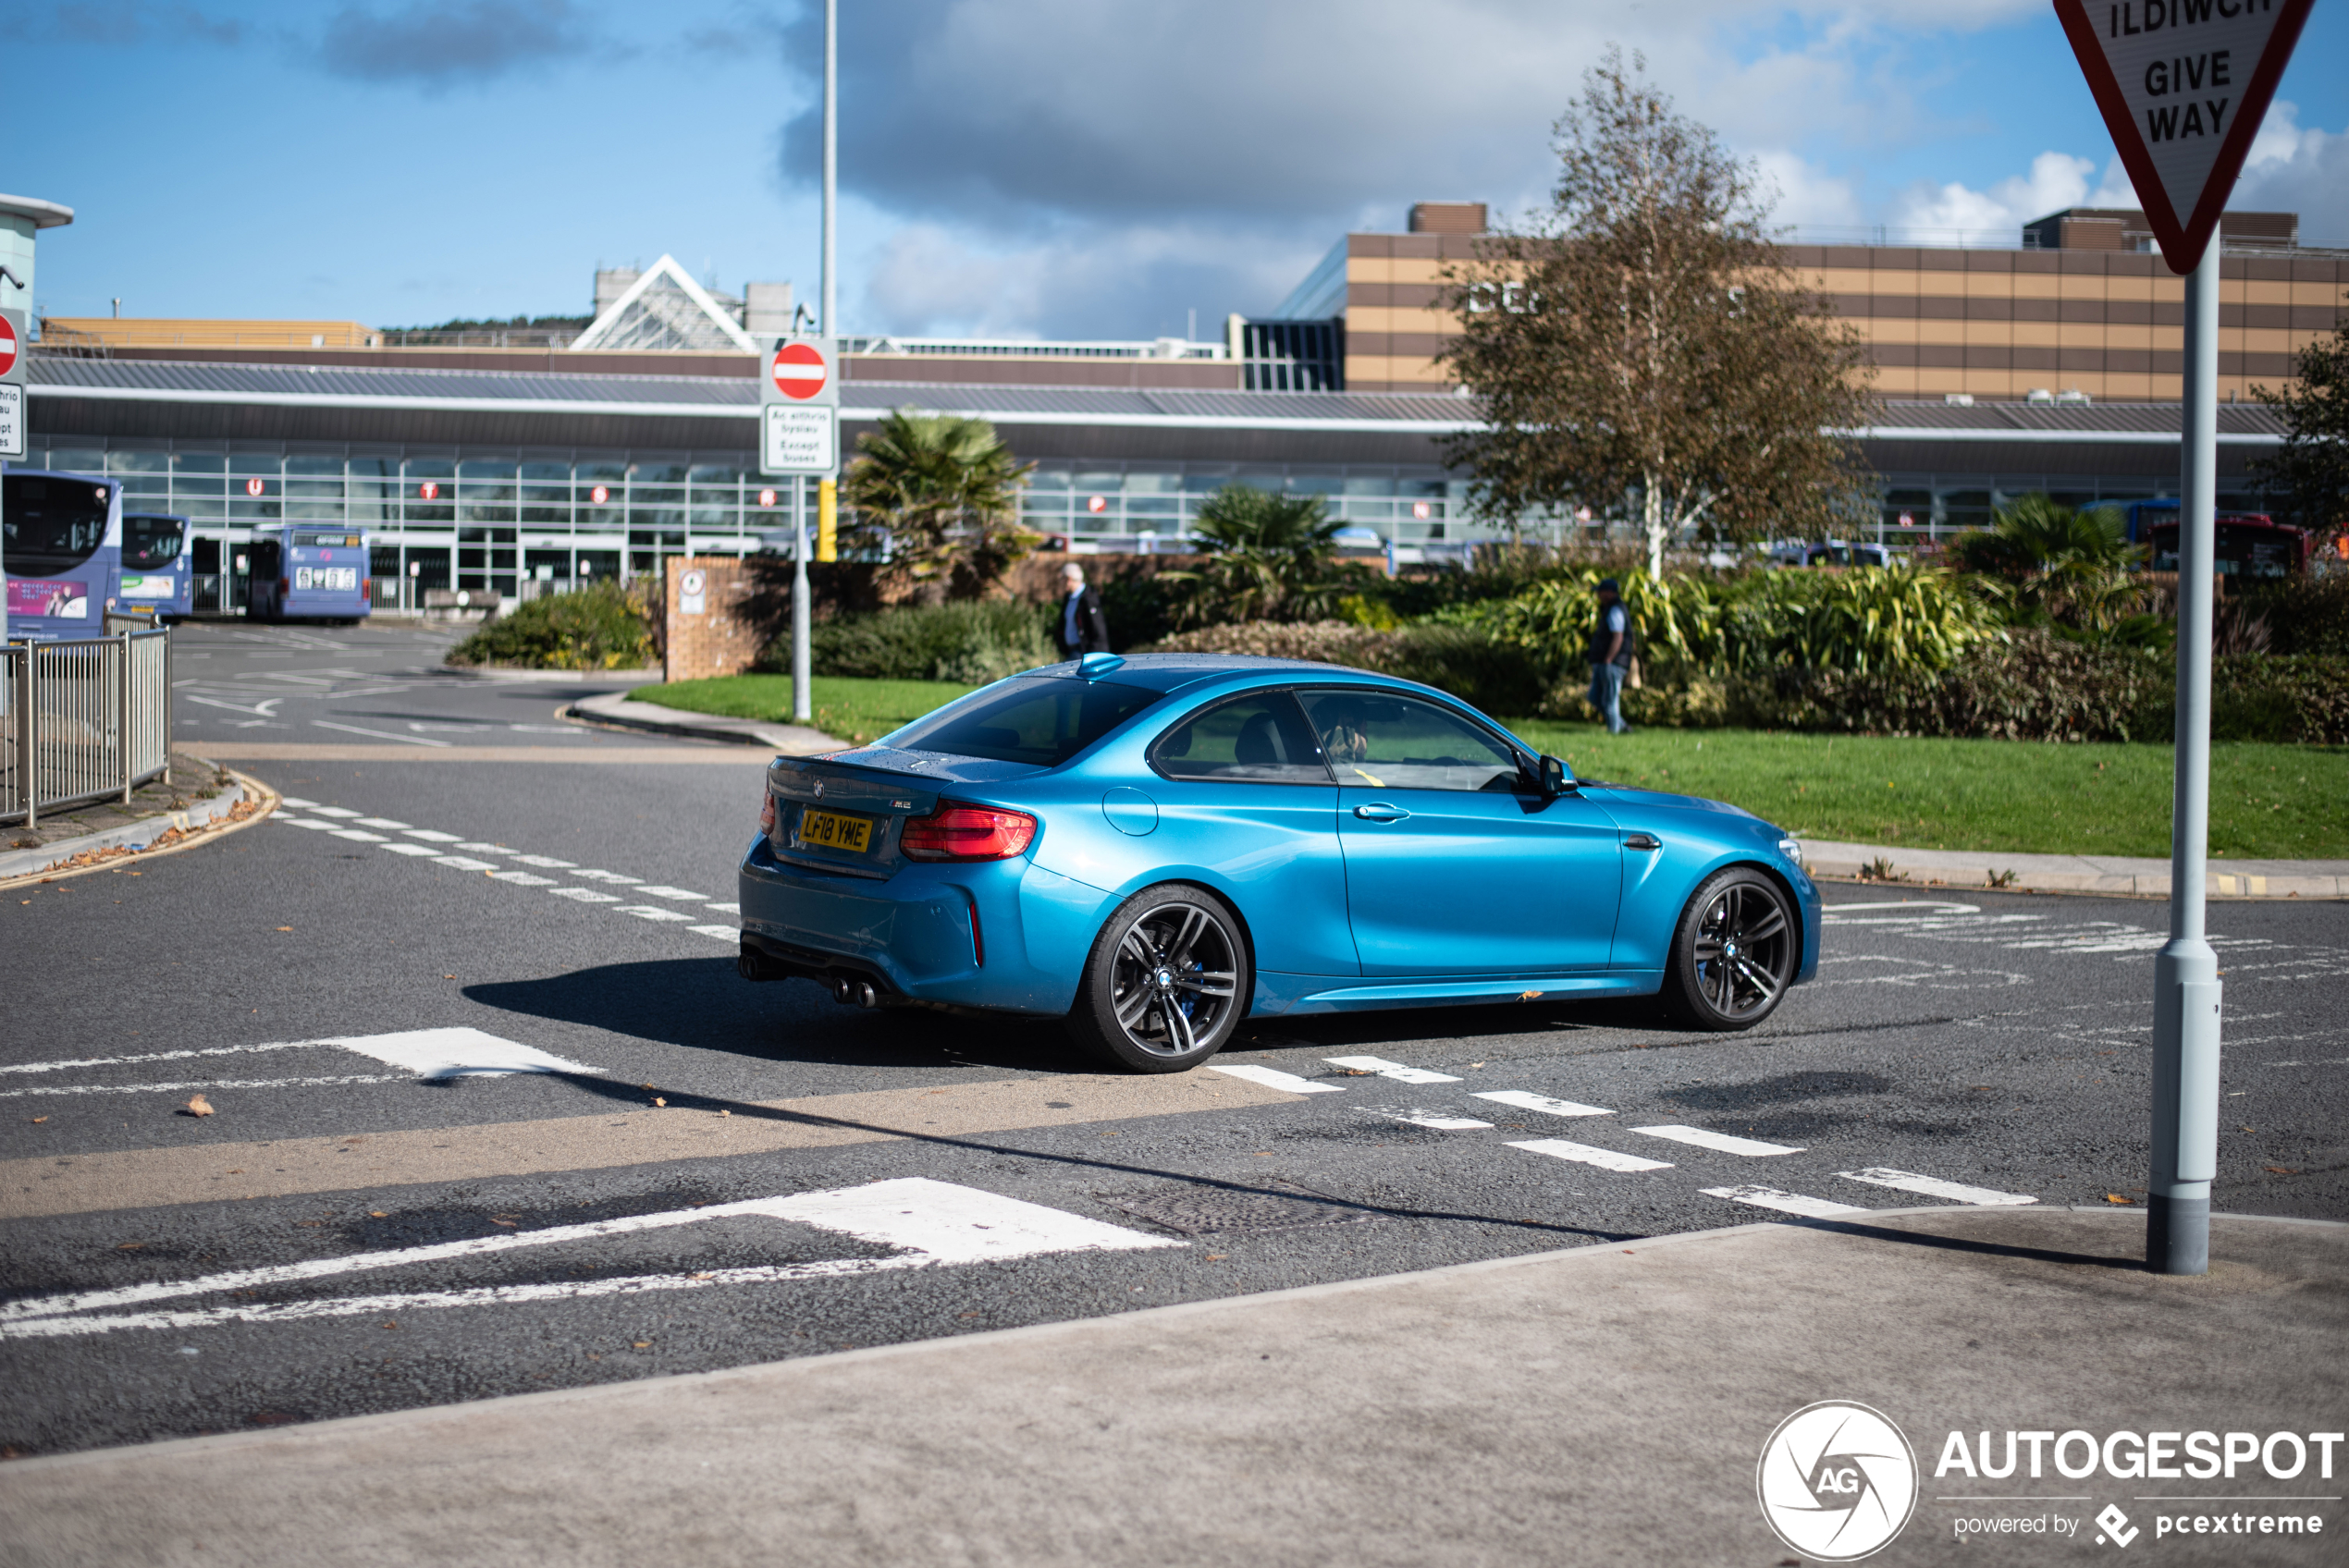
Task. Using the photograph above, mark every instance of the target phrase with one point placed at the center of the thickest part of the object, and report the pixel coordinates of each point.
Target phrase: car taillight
(766, 811)
(954, 832)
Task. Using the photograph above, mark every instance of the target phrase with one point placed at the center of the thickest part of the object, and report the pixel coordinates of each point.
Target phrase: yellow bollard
(828, 521)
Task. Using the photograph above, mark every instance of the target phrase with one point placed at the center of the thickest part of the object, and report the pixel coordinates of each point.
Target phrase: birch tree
(1643, 348)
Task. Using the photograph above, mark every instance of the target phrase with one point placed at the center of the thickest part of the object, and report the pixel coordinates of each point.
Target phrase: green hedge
(600, 627)
(973, 643)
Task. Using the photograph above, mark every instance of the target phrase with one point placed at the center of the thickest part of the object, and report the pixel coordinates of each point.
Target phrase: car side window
(1259, 739)
(1397, 743)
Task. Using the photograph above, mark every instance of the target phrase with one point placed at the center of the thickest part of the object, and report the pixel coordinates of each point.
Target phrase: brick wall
(714, 632)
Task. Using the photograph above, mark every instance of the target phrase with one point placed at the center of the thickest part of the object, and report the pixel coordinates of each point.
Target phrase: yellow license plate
(831, 830)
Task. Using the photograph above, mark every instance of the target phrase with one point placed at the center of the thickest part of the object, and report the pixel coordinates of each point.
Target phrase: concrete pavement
(1605, 1403)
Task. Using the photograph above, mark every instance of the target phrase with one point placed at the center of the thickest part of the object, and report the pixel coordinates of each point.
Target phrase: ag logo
(1837, 1481)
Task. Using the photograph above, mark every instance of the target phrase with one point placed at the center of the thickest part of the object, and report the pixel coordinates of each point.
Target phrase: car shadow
(1643, 1015)
(701, 1003)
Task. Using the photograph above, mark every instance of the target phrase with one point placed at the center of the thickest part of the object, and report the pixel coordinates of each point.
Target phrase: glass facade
(459, 517)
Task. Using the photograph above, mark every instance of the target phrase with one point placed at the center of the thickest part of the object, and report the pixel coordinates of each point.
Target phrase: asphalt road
(494, 1113)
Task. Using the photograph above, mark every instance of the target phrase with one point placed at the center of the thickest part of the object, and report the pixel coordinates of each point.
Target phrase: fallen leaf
(658, 1100)
(39, 1119)
(704, 1274)
(725, 1113)
(1211, 1257)
(509, 1223)
(378, 1213)
(132, 1246)
(2281, 1170)
(2114, 1197)
(448, 977)
(199, 1106)
(392, 1325)
(642, 1344)
(281, 928)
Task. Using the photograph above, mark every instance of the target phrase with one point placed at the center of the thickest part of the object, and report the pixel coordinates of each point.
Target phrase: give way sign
(800, 370)
(2184, 85)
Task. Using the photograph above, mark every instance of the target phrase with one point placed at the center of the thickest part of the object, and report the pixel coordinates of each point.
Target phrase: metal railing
(82, 720)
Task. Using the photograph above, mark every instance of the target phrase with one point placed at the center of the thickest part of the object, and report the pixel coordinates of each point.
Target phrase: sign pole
(802, 704)
(2185, 1003)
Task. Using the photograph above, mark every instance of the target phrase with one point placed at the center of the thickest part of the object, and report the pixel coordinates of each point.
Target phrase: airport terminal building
(480, 464)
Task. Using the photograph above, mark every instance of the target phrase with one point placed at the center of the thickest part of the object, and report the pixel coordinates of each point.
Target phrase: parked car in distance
(1155, 847)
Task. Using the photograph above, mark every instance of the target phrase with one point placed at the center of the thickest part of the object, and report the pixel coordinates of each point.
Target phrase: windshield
(338, 540)
(1043, 722)
(49, 522)
(151, 542)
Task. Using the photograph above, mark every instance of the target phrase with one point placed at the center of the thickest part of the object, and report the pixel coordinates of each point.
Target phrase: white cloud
(1995, 215)
(1804, 195)
(2293, 169)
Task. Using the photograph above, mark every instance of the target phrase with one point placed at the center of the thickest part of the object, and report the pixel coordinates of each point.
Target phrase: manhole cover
(1198, 1211)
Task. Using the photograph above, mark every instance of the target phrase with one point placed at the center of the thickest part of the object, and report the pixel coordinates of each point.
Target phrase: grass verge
(2266, 802)
(856, 711)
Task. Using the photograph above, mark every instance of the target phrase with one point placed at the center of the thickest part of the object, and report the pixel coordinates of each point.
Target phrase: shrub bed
(600, 627)
(971, 643)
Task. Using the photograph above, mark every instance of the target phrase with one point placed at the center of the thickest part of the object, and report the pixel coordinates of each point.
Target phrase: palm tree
(942, 492)
(1272, 558)
(2046, 559)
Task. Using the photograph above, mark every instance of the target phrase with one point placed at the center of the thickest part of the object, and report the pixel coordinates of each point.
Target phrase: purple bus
(308, 571)
(61, 546)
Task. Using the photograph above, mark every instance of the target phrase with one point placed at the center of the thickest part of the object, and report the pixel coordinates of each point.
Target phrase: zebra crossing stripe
(1933, 1187)
(1785, 1203)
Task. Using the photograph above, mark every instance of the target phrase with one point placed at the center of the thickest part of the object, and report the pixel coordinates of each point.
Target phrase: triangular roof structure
(665, 309)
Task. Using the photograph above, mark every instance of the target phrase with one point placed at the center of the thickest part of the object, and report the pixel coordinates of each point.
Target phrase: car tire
(1734, 952)
(1167, 982)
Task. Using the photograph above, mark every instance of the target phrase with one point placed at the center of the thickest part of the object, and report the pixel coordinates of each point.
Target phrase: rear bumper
(1005, 936)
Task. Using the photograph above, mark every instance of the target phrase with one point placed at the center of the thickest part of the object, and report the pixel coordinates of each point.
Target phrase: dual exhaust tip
(855, 993)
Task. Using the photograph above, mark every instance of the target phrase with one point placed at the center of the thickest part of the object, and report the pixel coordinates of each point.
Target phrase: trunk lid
(877, 786)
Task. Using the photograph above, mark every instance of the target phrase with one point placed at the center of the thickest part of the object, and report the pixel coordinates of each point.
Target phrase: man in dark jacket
(1083, 629)
(1610, 657)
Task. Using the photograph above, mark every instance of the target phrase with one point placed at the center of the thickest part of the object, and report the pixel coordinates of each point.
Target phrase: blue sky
(1054, 168)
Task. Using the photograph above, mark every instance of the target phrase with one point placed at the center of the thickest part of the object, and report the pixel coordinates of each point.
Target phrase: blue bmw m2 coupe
(1155, 848)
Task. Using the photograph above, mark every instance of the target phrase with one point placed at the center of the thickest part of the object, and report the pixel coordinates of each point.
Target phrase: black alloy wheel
(1168, 981)
(1734, 953)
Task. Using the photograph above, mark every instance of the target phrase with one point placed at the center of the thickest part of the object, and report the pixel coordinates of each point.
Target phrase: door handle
(1379, 811)
(1643, 841)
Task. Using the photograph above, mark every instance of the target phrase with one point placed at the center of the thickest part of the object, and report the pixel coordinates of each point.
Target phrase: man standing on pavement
(1084, 629)
(1610, 657)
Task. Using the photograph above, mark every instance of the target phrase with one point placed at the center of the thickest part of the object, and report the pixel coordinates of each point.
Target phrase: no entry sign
(2184, 85)
(801, 370)
(12, 420)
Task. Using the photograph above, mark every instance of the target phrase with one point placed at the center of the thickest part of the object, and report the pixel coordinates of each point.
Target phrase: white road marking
(671, 893)
(411, 849)
(1933, 1187)
(207, 1084)
(1785, 1203)
(1273, 1078)
(1526, 1100)
(462, 863)
(336, 811)
(1436, 1119)
(650, 911)
(611, 876)
(456, 1052)
(586, 895)
(296, 803)
(1393, 1070)
(1720, 1141)
(431, 837)
(187, 1054)
(1835, 913)
(546, 862)
(359, 835)
(480, 847)
(724, 932)
(381, 822)
(930, 1222)
(1584, 1154)
(378, 734)
(522, 878)
(725, 908)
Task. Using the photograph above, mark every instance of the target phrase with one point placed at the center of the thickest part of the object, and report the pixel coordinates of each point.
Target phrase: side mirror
(1554, 776)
